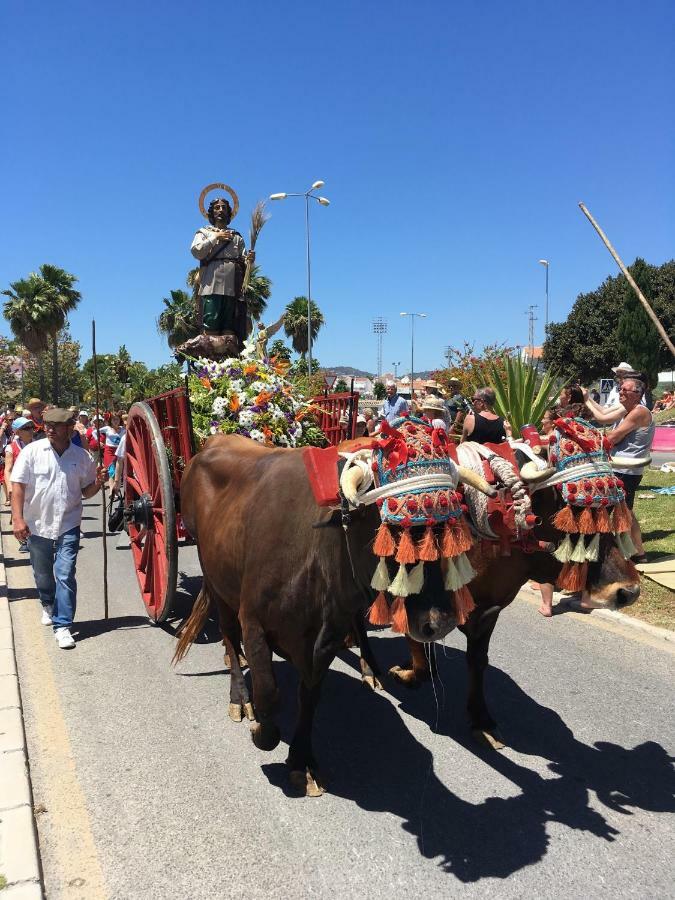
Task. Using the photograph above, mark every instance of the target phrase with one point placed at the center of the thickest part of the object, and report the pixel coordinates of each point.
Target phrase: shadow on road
(94, 627)
(373, 760)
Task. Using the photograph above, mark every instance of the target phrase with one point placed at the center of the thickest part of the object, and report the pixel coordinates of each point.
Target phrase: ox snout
(614, 596)
(428, 625)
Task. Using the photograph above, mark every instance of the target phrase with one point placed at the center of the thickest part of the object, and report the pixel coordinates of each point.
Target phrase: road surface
(145, 789)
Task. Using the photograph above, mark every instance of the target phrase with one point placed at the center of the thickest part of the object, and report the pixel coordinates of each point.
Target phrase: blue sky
(455, 140)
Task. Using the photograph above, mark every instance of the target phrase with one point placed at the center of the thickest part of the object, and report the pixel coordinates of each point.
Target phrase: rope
(471, 454)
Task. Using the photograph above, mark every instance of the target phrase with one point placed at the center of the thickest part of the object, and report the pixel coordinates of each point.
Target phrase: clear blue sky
(455, 141)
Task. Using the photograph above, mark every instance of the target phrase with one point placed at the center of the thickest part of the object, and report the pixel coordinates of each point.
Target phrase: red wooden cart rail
(337, 415)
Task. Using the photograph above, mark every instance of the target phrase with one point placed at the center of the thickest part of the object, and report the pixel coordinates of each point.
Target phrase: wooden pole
(631, 281)
(104, 523)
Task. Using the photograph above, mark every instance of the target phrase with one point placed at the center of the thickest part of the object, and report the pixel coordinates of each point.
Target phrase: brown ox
(284, 575)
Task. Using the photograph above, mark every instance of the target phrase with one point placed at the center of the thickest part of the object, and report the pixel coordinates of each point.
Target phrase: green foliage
(471, 369)
(295, 323)
(257, 294)
(340, 386)
(178, 319)
(521, 397)
(379, 390)
(587, 345)
(279, 350)
(39, 371)
(32, 312)
(639, 341)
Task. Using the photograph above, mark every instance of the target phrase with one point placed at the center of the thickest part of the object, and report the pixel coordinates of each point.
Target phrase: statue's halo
(219, 186)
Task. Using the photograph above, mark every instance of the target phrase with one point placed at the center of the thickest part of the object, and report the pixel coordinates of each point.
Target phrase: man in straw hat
(49, 481)
(433, 408)
(36, 408)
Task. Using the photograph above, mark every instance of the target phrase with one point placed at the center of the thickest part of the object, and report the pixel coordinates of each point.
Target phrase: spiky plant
(520, 397)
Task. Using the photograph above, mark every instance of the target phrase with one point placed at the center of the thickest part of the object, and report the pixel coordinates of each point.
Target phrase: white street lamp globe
(278, 196)
(317, 185)
(323, 201)
(544, 262)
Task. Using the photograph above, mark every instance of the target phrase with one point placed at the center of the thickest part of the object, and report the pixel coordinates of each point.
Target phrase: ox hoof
(235, 712)
(372, 682)
(489, 738)
(249, 712)
(307, 783)
(243, 662)
(408, 677)
(265, 736)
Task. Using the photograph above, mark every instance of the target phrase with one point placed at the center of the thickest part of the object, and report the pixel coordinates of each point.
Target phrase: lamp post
(308, 195)
(545, 264)
(413, 316)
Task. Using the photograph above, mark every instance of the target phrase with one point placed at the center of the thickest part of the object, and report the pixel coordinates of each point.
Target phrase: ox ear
(630, 462)
(532, 474)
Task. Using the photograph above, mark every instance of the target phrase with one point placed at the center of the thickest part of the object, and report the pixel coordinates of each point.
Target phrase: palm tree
(33, 313)
(257, 294)
(66, 298)
(295, 323)
(178, 321)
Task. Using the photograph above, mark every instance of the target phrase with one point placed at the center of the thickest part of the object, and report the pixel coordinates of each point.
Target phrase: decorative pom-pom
(464, 568)
(400, 586)
(586, 521)
(621, 518)
(602, 523)
(453, 581)
(450, 546)
(384, 542)
(416, 579)
(564, 551)
(380, 579)
(564, 520)
(579, 552)
(463, 604)
(427, 549)
(379, 613)
(406, 549)
(573, 577)
(399, 617)
(593, 549)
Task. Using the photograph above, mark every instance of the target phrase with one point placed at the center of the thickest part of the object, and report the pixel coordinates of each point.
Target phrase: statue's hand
(251, 256)
(224, 235)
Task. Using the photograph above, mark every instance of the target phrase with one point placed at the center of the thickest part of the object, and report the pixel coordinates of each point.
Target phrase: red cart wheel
(149, 501)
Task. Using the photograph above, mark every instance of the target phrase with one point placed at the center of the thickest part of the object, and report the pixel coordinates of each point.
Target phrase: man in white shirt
(49, 481)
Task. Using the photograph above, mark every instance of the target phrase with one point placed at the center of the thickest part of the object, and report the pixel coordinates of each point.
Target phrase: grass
(656, 604)
(664, 415)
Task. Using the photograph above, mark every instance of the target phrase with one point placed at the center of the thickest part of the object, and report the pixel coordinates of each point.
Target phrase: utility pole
(379, 328)
(531, 319)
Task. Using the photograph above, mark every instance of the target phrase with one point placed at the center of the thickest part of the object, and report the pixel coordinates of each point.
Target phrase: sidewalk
(20, 875)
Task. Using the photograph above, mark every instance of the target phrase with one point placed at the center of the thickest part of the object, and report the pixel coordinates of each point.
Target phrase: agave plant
(519, 395)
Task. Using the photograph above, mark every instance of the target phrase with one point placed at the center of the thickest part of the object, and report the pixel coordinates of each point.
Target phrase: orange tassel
(631, 572)
(573, 577)
(399, 617)
(427, 549)
(621, 518)
(465, 539)
(406, 549)
(450, 545)
(379, 613)
(564, 520)
(384, 542)
(463, 604)
(602, 523)
(586, 522)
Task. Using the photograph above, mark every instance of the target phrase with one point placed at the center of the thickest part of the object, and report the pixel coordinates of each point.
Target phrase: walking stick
(104, 524)
(631, 281)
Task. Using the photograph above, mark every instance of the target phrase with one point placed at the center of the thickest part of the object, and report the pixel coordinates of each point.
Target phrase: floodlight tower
(531, 319)
(379, 328)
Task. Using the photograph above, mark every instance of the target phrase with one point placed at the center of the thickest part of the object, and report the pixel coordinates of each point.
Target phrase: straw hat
(434, 403)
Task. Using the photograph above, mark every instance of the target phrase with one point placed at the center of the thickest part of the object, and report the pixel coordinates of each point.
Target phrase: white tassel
(579, 552)
(465, 569)
(564, 551)
(453, 582)
(416, 579)
(380, 579)
(593, 549)
(626, 545)
(400, 586)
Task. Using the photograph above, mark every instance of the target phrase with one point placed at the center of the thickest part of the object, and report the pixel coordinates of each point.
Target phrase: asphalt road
(144, 787)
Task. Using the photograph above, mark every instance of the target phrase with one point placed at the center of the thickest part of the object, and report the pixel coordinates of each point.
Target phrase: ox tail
(193, 625)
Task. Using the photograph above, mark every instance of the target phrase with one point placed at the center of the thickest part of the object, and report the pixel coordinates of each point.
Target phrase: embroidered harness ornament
(594, 498)
(416, 482)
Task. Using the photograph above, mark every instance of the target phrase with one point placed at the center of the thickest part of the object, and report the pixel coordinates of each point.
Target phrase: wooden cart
(160, 443)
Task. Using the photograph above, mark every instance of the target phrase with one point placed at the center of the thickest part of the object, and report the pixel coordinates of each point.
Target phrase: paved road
(144, 788)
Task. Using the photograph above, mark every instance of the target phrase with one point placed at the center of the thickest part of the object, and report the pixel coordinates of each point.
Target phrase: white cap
(362, 419)
(83, 412)
(623, 367)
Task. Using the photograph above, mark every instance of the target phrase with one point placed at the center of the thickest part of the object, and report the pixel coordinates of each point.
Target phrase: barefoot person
(49, 481)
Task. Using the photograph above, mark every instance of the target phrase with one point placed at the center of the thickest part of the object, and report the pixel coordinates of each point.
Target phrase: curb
(19, 857)
(664, 634)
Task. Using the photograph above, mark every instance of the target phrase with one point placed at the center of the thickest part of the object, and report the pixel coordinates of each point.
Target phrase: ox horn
(630, 462)
(350, 482)
(468, 476)
(531, 473)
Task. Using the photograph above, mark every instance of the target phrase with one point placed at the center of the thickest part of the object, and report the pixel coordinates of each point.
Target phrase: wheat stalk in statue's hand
(258, 219)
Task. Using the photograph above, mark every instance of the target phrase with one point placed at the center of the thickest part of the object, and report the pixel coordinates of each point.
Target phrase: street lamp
(413, 316)
(322, 201)
(545, 264)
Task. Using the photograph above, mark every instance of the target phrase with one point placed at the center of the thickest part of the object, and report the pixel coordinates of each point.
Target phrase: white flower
(258, 386)
(219, 407)
(236, 384)
(257, 435)
(245, 417)
(213, 429)
(277, 413)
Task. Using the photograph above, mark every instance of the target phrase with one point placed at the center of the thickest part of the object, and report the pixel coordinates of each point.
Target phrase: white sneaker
(46, 615)
(64, 638)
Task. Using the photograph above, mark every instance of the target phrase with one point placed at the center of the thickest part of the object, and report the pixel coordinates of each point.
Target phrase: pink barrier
(664, 438)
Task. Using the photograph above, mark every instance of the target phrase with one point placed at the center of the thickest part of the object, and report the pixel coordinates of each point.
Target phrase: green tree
(257, 294)
(295, 324)
(379, 390)
(341, 386)
(178, 319)
(280, 350)
(71, 382)
(66, 297)
(639, 341)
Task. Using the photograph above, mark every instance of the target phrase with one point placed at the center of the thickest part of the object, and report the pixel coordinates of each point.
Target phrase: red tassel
(463, 604)
(384, 542)
(399, 617)
(451, 542)
(602, 523)
(586, 522)
(406, 549)
(564, 520)
(621, 518)
(379, 613)
(427, 549)
(573, 577)
(465, 539)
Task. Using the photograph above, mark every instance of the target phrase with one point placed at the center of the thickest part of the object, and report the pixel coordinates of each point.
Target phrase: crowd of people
(49, 466)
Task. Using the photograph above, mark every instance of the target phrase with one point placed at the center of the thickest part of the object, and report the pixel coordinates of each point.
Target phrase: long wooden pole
(104, 523)
(631, 281)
